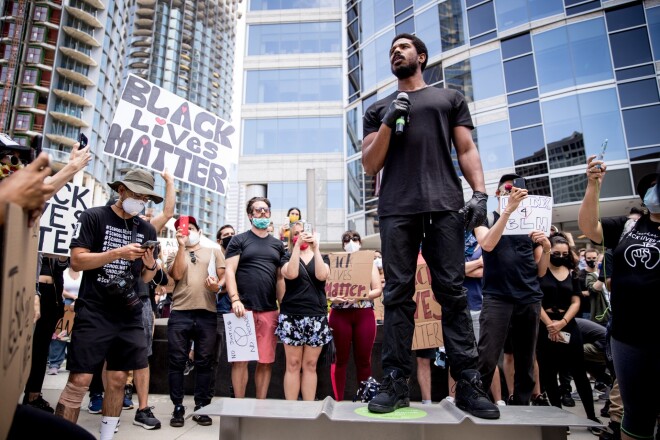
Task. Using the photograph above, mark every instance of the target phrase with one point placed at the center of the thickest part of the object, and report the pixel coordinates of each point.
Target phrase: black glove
(475, 210)
(398, 107)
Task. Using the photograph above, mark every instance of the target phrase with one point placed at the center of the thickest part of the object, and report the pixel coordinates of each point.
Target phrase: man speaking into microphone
(409, 135)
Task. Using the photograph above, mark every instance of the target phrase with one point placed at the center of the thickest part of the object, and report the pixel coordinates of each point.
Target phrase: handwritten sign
(157, 129)
(533, 214)
(241, 338)
(60, 219)
(350, 274)
(428, 314)
(19, 272)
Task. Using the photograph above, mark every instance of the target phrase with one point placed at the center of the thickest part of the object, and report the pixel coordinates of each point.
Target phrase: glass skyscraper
(187, 47)
(547, 81)
(292, 113)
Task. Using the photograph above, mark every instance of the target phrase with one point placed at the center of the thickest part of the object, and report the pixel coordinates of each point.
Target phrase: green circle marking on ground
(399, 414)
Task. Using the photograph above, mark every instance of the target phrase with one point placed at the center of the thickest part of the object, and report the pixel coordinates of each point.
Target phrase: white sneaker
(500, 403)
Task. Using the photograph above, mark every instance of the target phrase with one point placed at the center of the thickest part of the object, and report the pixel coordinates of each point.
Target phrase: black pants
(184, 327)
(51, 312)
(498, 317)
(442, 238)
(220, 347)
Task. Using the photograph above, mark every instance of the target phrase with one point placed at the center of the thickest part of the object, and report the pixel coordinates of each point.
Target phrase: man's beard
(404, 71)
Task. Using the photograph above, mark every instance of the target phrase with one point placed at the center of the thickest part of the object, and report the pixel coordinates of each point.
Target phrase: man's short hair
(222, 228)
(253, 200)
(419, 46)
(592, 250)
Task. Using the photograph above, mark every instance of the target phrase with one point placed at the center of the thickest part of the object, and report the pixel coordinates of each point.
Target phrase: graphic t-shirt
(101, 230)
(418, 174)
(635, 295)
(305, 295)
(256, 275)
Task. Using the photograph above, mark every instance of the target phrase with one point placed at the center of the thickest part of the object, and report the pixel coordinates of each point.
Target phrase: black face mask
(591, 263)
(560, 261)
(225, 241)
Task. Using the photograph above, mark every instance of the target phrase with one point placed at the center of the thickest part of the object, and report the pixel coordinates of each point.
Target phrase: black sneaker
(605, 410)
(596, 430)
(392, 394)
(201, 419)
(567, 400)
(39, 403)
(190, 365)
(146, 419)
(177, 416)
(611, 432)
(540, 400)
(128, 397)
(471, 397)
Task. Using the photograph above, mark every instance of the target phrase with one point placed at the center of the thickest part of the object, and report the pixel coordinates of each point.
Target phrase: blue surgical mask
(651, 200)
(261, 223)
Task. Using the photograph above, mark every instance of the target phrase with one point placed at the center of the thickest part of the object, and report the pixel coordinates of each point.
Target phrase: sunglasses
(347, 239)
(261, 210)
(193, 257)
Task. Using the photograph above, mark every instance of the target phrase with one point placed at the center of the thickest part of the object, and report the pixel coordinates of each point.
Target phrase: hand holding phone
(308, 228)
(184, 221)
(82, 140)
(519, 183)
(149, 244)
(601, 155)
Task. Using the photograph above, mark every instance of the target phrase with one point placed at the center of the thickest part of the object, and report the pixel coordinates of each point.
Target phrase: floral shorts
(298, 330)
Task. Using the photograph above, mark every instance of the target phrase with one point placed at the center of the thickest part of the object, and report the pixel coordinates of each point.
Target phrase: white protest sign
(241, 338)
(157, 129)
(168, 246)
(60, 219)
(533, 214)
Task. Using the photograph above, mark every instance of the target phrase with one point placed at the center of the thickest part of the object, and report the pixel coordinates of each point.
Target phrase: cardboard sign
(533, 214)
(428, 315)
(157, 129)
(241, 338)
(60, 219)
(379, 309)
(19, 274)
(64, 326)
(350, 274)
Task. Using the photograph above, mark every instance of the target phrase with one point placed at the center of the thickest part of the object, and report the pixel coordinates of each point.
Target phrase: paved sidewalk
(191, 430)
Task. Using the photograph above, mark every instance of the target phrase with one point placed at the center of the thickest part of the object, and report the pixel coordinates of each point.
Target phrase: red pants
(356, 326)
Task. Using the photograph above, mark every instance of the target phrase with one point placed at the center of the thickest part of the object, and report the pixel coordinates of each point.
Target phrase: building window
(525, 115)
(376, 61)
(33, 54)
(528, 146)
(293, 85)
(427, 27)
(40, 13)
(30, 76)
(292, 135)
(479, 77)
(453, 24)
(569, 189)
(284, 195)
(375, 15)
(481, 20)
(642, 126)
(335, 194)
(638, 92)
(293, 38)
(630, 47)
(494, 143)
(355, 183)
(354, 131)
(6, 73)
(38, 34)
(572, 55)
(23, 121)
(27, 99)
(653, 17)
(261, 5)
(7, 52)
(512, 13)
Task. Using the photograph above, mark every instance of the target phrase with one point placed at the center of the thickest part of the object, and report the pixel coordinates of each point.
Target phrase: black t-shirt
(635, 280)
(510, 271)
(418, 174)
(304, 295)
(585, 301)
(558, 294)
(256, 275)
(100, 230)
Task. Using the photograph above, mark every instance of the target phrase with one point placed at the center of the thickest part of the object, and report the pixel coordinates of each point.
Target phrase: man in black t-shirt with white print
(254, 282)
(409, 135)
(108, 327)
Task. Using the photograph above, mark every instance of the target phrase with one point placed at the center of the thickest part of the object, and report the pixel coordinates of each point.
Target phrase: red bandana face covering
(303, 246)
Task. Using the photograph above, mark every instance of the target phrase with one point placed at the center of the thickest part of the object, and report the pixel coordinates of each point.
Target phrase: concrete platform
(276, 419)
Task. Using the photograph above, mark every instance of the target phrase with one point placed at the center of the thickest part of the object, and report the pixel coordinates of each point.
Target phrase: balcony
(98, 4)
(85, 17)
(75, 76)
(78, 56)
(58, 156)
(146, 3)
(72, 97)
(61, 139)
(69, 119)
(81, 36)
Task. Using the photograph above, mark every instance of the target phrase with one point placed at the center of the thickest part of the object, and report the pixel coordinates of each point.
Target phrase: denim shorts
(298, 330)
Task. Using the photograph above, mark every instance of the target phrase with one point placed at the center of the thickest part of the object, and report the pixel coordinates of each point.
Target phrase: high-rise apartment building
(292, 113)
(60, 75)
(546, 81)
(187, 47)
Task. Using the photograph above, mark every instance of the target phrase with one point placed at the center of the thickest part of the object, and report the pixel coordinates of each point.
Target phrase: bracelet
(547, 252)
(236, 300)
(154, 267)
(565, 321)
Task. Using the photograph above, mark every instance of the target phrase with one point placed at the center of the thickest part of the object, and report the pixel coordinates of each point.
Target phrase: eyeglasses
(260, 210)
(193, 257)
(347, 239)
(139, 196)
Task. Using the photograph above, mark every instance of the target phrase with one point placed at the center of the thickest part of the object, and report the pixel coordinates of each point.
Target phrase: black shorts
(99, 335)
(426, 353)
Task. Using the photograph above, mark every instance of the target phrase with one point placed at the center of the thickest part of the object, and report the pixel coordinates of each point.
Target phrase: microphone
(401, 120)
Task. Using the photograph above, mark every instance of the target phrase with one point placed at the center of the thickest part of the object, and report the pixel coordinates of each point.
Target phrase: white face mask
(193, 238)
(352, 246)
(132, 206)
(379, 263)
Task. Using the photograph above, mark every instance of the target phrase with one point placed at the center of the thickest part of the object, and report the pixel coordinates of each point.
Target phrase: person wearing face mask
(559, 338)
(353, 323)
(590, 271)
(193, 318)
(254, 282)
(108, 325)
(634, 299)
(293, 215)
